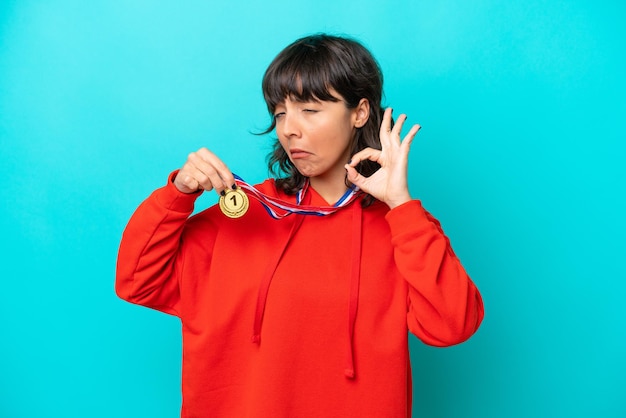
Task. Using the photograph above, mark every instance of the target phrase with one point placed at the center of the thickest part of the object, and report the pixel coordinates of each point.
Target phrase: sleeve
(150, 246)
(444, 305)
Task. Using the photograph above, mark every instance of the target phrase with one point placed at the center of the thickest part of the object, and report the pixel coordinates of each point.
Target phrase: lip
(297, 153)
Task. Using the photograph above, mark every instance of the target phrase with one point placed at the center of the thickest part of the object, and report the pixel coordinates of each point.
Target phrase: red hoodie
(301, 317)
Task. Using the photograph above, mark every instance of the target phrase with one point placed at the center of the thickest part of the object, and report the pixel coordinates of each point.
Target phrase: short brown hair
(309, 69)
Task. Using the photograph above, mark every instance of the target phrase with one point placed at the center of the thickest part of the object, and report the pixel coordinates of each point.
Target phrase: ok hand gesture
(388, 184)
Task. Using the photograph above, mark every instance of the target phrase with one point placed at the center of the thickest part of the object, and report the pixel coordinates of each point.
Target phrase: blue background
(521, 157)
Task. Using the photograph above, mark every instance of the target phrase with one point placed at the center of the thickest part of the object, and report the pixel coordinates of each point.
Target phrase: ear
(361, 113)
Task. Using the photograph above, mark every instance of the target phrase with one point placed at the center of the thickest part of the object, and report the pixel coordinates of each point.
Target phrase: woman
(303, 315)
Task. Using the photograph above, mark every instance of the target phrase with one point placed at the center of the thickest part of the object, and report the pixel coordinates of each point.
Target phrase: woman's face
(317, 135)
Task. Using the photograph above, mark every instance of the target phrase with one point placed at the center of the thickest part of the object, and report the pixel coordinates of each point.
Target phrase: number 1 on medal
(234, 203)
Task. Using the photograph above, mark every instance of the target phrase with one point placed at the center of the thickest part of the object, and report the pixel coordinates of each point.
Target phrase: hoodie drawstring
(355, 278)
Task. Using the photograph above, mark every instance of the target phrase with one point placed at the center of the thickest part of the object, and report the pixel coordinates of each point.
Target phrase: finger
(202, 174)
(218, 166)
(385, 128)
(185, 182)
(359, 180)
(408, 139)
(397, 128)
(214, 168)
(354, 176)
(371, 154)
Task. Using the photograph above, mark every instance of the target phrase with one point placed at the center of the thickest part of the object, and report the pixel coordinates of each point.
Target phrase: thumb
(354, 176)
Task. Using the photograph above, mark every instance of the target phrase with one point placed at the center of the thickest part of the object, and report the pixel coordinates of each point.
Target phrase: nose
(290, 126)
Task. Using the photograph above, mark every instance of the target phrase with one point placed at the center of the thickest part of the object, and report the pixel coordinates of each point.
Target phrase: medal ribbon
(278, 208)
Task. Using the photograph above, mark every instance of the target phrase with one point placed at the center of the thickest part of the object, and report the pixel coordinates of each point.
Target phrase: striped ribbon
(278, 208)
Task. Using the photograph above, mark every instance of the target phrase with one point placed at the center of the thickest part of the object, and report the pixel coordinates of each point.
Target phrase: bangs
(302, 74)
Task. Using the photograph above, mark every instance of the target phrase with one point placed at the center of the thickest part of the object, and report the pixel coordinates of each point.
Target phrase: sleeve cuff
(406, 217)
(173, 199)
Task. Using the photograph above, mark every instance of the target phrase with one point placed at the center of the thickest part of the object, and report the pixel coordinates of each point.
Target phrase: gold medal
(234, 203)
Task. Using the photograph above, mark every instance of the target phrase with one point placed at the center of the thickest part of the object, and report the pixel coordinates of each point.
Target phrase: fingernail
(234, 187)
(223, 193)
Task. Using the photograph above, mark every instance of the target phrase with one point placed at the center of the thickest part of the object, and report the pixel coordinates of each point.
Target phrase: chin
(306, 173)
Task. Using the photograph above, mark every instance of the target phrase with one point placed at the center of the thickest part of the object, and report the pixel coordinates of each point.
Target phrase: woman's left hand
(388, 184)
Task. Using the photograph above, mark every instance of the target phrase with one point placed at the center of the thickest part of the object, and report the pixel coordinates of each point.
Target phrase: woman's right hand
(203, 170)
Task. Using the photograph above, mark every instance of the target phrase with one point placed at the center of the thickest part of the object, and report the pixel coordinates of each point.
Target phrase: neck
(331, 191)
